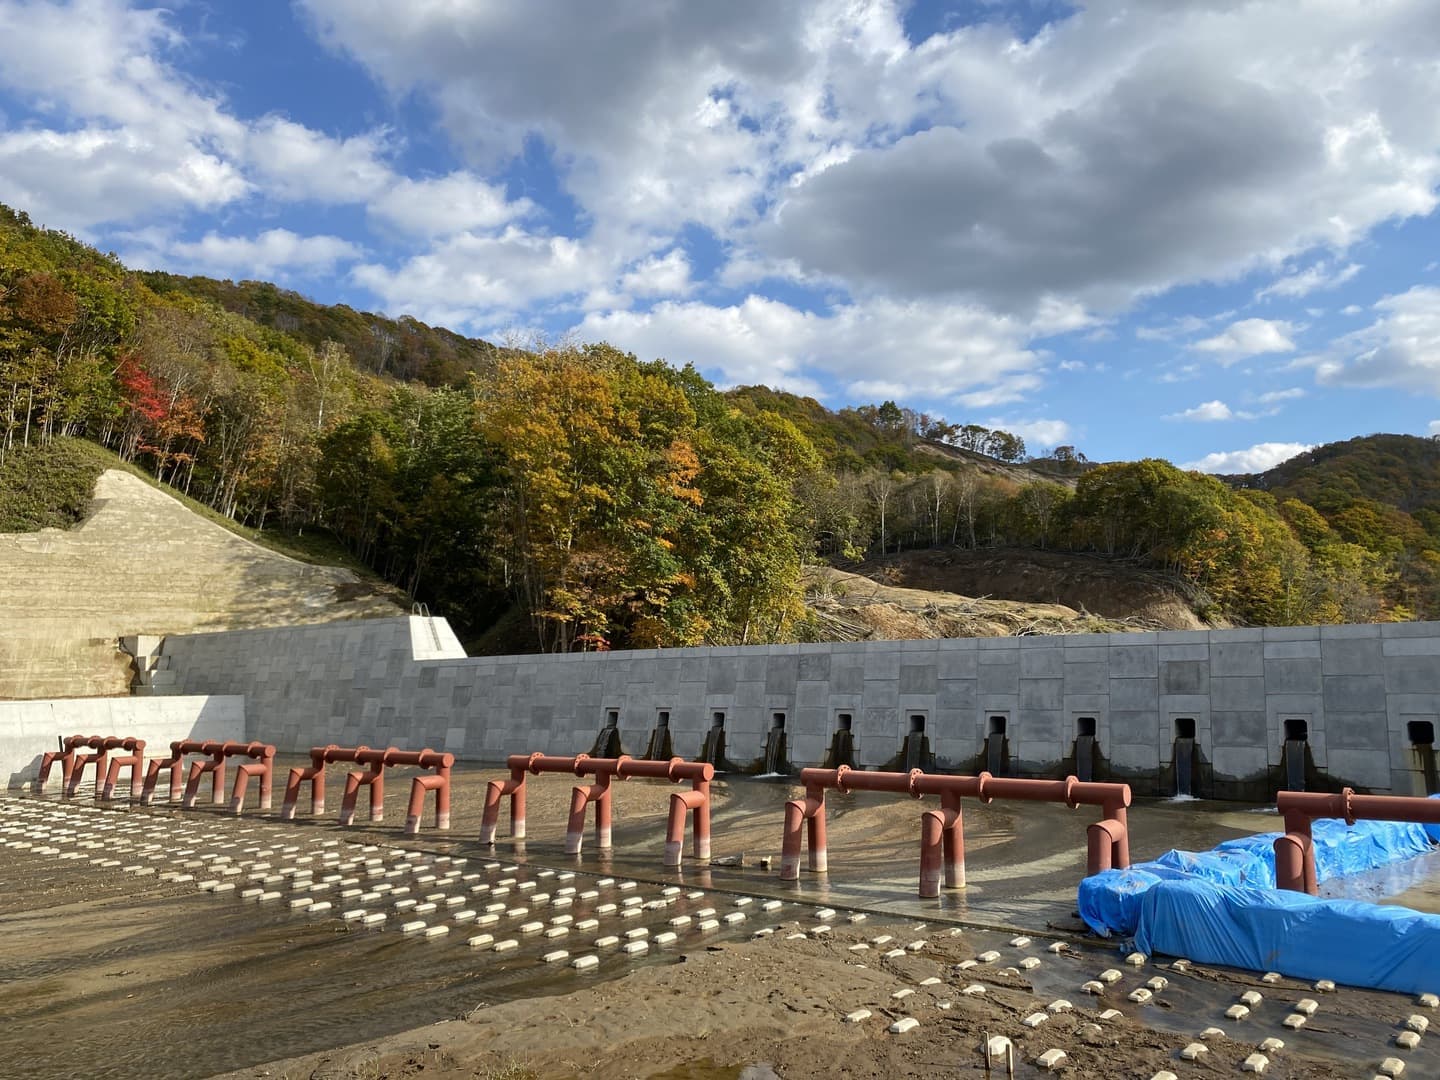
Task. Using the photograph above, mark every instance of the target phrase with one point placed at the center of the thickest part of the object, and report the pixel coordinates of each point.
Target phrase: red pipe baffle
(380, 760)
(102, 745)
(519, 765)
(214, 751)
(134, 761)
(606, 770)
(173, 764)
(1295, 849)
(320, 756)
(66, 757)
(260, 765)
(942, 838)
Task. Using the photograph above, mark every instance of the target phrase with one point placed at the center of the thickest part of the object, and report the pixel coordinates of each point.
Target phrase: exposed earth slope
(142, 563)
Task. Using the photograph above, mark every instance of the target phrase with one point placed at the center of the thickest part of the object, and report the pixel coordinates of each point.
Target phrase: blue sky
(1200, 230)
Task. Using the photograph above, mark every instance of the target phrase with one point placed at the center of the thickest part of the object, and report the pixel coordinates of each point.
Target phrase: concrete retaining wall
(1357, 689)
(29, 728)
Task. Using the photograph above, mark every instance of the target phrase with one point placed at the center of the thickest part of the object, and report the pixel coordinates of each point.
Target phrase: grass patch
(47, 487)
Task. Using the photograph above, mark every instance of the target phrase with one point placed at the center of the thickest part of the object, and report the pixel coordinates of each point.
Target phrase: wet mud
(114, 972)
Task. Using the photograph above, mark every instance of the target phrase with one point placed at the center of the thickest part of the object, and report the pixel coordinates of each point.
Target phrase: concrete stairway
(142, 564)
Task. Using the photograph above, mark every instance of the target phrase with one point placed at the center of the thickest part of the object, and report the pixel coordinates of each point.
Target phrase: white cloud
(1271, 397)
(1433, 428)
(659, 275)
(275, 254)
(292, 161)
(473, 277)
(1322, 275)
(1208, 411)
(1035, 432)
(1256, 459)
(915, 351)
(456, 203)
(1249, 337)
(1400, 349)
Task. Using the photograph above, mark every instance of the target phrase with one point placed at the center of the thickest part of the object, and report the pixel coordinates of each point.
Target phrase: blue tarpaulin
(1360, 944)
(1110, 902)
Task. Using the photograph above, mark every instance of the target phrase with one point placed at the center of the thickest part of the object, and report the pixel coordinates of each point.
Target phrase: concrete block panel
(881, 693)
(816, 722)
(917, 678)
(812, 693)
(1087, 679)
(1000, 678)
(1041, 694)
(1038, 755)
(1133, 757)
(1183, 638)
(1354, 693)
(1237, 658)
(1248, 633)
(721, 675)
(1238, 728)
(1368, 769)
(998, 705)
(1356, 731)
(1291, 633)
(1041, 725)
(882, 664)
(1135, 727)
(997, 644)
(1134, 694)
(1237, 694)
(1197, 651)
(1039, 663)
(957, 663)
(1086, 704)
(781, 674)
(1238, 763)
(1085, 654)
(1411, 629)
(1417, 646)
(1414, 674)
(1351, 655)
(1184, 677)
(1292, 676)
(847, 674)
(957, 694)
(1292, 650)
(813, 667)
(1134, 661)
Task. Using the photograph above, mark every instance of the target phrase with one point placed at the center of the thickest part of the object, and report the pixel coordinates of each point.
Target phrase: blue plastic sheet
(1433, 831)
(1110, 902)
(1373, 945)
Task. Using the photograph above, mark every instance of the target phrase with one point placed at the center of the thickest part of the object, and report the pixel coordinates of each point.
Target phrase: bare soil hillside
(958, 593)
(142, 563)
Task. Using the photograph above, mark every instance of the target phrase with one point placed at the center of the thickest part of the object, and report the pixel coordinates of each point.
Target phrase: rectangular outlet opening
(662, 718)
(917, 723)
(1184, 727)
(1296, 729)
(1421, 732)
(777, 721)
(1085, 725)
(996, 725)
(845, 721)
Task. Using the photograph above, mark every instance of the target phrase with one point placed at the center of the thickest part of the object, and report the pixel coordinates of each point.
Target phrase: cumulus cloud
(1248, 337)
(940, 352)
(274, 254)
(1257, 458)
(1322, 275)
(1046, 433)
(455, 203)
(1272, 397)
(1400, 349)
(1209, 411)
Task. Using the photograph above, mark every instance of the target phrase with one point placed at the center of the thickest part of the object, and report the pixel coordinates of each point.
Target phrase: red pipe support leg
(419, 786)
(932, 834)
(954, 845)
(580, 800)
(134, 761)
(495, 791)
(681, 804)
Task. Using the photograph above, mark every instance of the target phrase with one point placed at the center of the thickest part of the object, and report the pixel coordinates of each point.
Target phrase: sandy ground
(107, 974)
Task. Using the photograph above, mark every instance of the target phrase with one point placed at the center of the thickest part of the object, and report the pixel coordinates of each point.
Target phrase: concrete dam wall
(1220, 713)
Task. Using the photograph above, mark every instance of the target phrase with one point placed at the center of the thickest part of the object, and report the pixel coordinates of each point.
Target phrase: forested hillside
(598, 499)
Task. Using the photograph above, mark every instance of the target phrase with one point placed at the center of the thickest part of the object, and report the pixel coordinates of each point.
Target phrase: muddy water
(109, 971)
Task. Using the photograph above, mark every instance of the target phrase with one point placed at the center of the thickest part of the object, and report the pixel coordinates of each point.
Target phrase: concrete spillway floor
(130, 945)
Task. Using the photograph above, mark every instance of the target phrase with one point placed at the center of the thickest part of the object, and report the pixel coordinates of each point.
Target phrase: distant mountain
(1402, 471)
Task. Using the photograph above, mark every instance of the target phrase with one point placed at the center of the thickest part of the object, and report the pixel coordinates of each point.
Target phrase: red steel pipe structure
(216, 752)
(320, 756)
(102, 745)
(134, 761)
(1295, 850)
(66, 757)
(696, 801)
(379, 760)
(942, 838)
